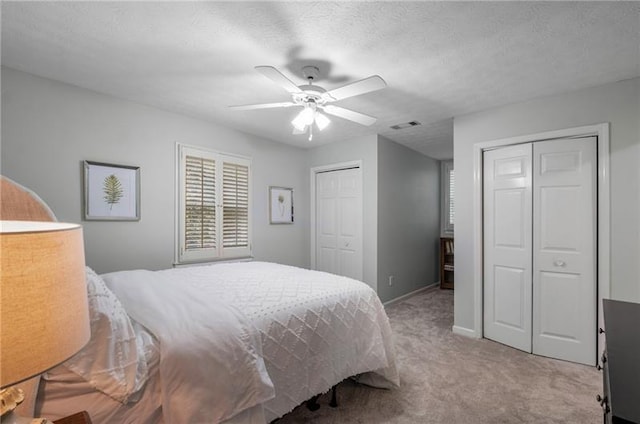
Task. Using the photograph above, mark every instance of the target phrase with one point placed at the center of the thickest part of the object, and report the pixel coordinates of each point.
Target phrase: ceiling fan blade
(263, 106)
(366, 85)
(276, 76)
(351, 115)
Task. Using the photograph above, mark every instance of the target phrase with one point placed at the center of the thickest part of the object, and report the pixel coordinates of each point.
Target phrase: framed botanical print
(111, 192)
(280, 205)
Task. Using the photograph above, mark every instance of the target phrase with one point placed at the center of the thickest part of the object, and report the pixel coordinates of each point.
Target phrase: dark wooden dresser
(620, 363)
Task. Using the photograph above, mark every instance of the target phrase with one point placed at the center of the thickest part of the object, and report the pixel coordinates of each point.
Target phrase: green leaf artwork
(281, 204)
(112, 190)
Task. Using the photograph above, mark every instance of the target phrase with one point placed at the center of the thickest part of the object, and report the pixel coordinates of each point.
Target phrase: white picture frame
(111, 192)
(280, 205)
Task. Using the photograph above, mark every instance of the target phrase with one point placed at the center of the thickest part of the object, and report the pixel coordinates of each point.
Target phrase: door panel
(339, 222)
(509, 295)
(326, 259)
(349, 217)
(509, 211)
(349, 263)
(564, 253)
(560, 318)
(328, 224)
(507, 246)
(559, 231)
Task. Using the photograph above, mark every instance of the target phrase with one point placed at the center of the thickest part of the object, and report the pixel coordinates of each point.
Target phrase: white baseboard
(410, 294)
(463, 331)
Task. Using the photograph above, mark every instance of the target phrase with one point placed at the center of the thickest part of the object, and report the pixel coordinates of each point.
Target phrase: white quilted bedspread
(316, 329)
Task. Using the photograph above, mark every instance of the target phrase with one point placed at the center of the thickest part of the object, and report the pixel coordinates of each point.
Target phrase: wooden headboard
(18, 203)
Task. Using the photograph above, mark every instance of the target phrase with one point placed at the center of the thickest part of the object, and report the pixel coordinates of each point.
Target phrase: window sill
(212, 262)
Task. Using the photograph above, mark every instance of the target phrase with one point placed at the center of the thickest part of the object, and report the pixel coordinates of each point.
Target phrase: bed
(231, 342)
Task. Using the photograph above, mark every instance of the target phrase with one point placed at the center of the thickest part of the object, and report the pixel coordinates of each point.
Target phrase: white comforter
(313, 330)
(211, 366)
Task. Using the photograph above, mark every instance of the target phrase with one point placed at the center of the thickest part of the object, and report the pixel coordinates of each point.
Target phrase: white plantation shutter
(235, 205)
(200, 203)
(452, 196)
(448, 197)
(214, 205)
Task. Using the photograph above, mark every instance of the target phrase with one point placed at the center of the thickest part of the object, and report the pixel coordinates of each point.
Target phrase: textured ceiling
(439, 59)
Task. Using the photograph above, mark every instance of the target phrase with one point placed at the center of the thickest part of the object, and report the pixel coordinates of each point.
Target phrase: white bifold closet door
(508, 246)
(540, 248)
(339, 222)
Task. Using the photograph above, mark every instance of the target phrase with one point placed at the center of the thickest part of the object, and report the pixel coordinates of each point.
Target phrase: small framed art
(280, 205)
(111, 192)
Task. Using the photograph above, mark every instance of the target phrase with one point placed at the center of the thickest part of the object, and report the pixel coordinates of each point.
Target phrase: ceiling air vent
(405, 125)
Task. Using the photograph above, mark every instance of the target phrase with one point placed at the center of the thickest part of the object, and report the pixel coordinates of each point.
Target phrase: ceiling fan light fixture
(304, 118)
(322, 121)
(298, 124)
(308, 115)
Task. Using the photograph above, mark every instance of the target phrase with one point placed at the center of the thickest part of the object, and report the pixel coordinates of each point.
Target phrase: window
(214, 205)
(448, 197)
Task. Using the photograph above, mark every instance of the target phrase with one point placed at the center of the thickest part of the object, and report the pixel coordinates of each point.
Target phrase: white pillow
(112, 361)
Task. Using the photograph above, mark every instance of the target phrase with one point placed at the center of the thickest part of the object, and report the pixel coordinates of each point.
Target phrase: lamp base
(11, 418)
(9, 399)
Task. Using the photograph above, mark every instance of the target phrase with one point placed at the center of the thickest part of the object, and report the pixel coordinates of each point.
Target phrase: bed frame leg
(334, 397)
(312, 404)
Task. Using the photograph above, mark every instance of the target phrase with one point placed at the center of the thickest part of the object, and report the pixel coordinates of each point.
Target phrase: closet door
(339, 222)
(508, 245)
(564, 254)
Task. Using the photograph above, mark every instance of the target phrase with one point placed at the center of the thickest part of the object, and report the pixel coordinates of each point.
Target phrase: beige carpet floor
(446, 378)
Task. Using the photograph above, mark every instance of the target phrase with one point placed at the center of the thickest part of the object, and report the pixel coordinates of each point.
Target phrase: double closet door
(339, 222)
(540, 289)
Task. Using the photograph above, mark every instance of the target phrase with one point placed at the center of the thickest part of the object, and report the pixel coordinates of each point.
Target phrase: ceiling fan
(314, 99)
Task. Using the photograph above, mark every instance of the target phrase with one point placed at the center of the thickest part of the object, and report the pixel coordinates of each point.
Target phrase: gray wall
(48, 128)
(366, 150)
(616, 103)
(408, 219)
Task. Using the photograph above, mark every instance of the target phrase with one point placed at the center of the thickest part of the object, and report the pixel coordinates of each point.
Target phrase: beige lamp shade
(44, 317)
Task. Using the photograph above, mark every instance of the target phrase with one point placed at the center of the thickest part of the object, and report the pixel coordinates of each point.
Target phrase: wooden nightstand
(79, 418)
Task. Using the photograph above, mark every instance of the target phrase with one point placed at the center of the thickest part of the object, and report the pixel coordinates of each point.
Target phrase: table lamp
(44, 316)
